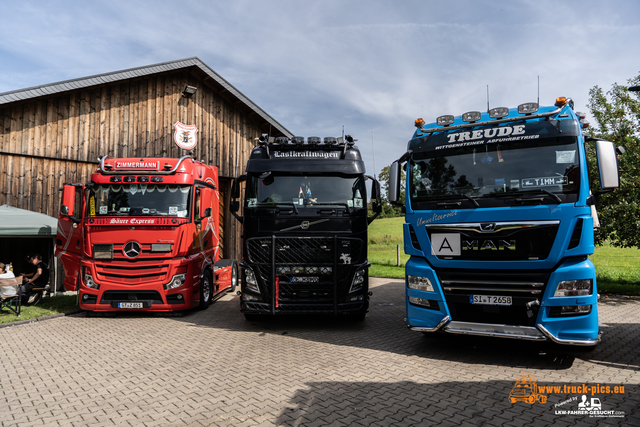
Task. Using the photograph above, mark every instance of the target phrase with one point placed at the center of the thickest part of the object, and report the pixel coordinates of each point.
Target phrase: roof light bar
(313, 140)
(528, 108)
(498, 112)
(471, 116)
(445, 120)
(283, 140)
(330, 140)
(298, 140)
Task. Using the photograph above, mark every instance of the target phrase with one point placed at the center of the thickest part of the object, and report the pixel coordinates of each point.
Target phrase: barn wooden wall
(51, 140)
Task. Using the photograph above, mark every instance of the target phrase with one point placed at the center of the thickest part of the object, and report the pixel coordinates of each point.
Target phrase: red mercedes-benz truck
(143, 235)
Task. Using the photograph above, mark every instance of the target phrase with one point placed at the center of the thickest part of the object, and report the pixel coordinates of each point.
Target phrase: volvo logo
(132, 249)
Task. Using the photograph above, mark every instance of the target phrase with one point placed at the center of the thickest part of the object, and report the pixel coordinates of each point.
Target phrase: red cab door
(70, 238)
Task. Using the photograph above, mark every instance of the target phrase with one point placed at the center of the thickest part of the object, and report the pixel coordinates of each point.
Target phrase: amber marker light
(419, 122)
(561, 100)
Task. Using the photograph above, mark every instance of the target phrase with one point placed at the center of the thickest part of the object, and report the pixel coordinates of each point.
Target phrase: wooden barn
(55, 133)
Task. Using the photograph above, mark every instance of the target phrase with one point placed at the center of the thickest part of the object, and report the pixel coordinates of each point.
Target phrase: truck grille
(132, 273)
(522, 286)
(305, 268)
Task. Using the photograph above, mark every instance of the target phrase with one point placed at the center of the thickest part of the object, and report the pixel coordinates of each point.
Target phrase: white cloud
(315, 66)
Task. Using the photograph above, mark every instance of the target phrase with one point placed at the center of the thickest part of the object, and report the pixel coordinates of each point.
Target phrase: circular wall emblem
(132, 249)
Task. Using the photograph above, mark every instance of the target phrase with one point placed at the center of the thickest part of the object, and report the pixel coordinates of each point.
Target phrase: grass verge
(46, 307)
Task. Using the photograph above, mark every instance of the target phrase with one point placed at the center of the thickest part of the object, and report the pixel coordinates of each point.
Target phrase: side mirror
(234, 204)
(64, 210)
(207, 213)
(394, 183)
(607, 165)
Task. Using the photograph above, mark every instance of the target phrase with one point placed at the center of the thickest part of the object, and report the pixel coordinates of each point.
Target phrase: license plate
(305, 279)
(130, 305)
(490, 300)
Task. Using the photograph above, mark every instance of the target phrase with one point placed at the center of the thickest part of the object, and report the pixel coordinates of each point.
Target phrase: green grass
(617, 270)
(46, 307)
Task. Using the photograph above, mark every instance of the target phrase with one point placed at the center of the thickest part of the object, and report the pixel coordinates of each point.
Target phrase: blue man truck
(499, 224)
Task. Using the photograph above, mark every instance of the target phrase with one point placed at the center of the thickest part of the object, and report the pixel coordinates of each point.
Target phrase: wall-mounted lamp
(189, 91)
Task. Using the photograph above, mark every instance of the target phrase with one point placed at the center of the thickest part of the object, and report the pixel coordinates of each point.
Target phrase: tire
(234, 277)
(206, 289)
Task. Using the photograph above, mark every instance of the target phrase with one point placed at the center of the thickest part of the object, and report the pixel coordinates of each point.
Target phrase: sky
(371, 66)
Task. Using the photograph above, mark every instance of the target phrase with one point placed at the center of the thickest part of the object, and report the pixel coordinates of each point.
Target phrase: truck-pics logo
(526, 390)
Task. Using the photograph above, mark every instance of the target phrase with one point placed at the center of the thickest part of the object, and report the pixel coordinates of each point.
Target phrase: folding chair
(12, 302)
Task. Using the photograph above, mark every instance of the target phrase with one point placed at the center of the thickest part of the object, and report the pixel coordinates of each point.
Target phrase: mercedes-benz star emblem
(132, 249)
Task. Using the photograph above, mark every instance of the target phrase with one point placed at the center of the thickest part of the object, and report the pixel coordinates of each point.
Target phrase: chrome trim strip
(494, 122)
(493, 282)
(434, 329)
(477, 227)
(565, 341)
(462, 288)
(500, 331)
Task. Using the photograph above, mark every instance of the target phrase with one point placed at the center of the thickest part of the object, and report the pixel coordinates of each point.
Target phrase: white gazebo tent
(23, 232)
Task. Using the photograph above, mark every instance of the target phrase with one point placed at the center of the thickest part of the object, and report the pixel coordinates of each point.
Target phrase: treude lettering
(486, 133)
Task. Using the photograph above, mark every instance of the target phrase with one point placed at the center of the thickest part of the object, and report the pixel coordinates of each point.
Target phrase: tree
(617, 119)
(388, 210)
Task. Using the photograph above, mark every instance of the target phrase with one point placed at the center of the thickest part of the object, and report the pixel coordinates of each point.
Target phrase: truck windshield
(139, 200)
(305, 190)
(547, 166)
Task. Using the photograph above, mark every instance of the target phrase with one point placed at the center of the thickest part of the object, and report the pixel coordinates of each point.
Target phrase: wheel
(205, 291)
(531, 399)
(512, 399)
(542, 399)
(234, 277)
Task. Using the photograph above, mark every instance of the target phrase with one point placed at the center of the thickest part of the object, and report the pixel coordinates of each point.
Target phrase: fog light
(570, 310)
(419, 301)
(284, 270)
(574, 288)
(326, 270)
(419, 283)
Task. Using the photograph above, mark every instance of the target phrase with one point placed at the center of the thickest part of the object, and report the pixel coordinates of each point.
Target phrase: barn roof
(114, 77)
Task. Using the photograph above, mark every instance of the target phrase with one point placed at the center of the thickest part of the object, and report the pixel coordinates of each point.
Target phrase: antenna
(373, 152)
(538, 89)
(488, 99)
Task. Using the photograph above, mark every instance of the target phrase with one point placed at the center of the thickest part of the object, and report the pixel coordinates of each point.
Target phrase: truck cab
(500, 224)
(143, 234)
(304, 228)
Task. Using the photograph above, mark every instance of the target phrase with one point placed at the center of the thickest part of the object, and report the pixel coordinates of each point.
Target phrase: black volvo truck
(305, 228)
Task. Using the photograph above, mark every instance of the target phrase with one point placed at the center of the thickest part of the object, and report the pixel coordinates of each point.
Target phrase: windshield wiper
(524, 192)
(295, 209)
(459, 196)
(332, 204)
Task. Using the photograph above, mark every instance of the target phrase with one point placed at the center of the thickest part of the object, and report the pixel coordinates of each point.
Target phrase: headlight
(419, 283)
(358, 280)
(574, 288)
(250, 280)
(176, 281)
(89, 283)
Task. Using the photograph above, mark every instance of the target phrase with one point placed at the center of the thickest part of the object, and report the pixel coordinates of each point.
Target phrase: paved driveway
(214, 368)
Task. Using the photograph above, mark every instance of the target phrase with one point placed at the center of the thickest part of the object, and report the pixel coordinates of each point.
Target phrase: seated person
(8, 283)
(38, 279)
